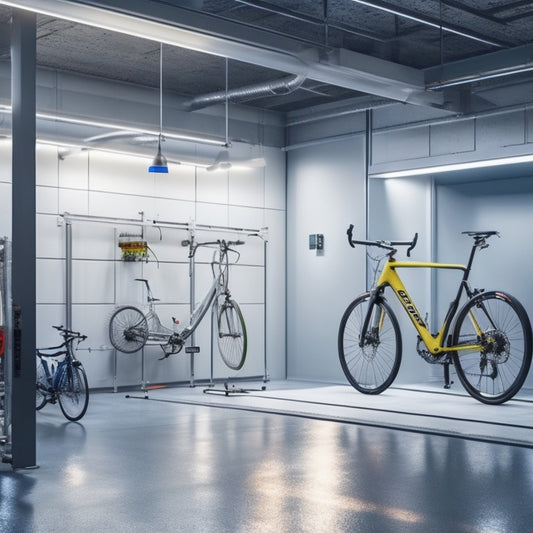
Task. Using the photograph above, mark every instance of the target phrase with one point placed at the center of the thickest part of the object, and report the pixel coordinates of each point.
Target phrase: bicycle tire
(41, 398)
(128, 329)
(73, 391)
(496, 373)
(232, 336)
(372, 368)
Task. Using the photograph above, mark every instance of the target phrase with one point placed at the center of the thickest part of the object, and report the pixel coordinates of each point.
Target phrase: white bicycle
(130, 329)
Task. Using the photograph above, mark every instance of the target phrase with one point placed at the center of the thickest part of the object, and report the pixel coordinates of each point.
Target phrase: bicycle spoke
(498, 323)
(73, 392)
(372, 366)
(128, 329)
(232, 337)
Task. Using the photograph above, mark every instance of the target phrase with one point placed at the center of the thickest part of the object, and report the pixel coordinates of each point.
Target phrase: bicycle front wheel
(128, 329)
(232, 337)
(372, 363)
(499, 324)
(73, 391)
(41, 396)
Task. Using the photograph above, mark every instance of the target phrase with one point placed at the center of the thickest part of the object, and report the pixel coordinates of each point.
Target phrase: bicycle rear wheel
(73, 391)
(372, 367)
(232, 336)
(496, 372)
(128, 329)
(41, 396)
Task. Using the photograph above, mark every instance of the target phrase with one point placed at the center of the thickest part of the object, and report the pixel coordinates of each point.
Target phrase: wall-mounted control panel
(316, 242)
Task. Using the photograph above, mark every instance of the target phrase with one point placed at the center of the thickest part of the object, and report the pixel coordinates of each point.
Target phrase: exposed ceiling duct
(278, 87)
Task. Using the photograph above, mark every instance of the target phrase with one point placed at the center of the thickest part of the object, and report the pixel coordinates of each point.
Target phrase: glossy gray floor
(135, 465)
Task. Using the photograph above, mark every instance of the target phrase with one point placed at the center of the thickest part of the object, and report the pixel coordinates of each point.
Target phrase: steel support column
(23, 58)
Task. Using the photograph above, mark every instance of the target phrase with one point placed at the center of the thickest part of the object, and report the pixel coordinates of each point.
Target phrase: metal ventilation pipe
(278, 87)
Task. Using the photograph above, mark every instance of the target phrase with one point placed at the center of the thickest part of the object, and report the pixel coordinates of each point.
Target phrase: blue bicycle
(62, 381)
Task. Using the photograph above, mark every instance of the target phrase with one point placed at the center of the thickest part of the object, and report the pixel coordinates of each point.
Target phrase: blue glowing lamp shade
(159, 164)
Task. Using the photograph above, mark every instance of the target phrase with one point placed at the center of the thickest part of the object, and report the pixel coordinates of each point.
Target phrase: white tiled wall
(111, 185)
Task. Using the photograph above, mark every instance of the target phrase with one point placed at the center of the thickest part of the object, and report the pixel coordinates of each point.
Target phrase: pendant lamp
(159, 164)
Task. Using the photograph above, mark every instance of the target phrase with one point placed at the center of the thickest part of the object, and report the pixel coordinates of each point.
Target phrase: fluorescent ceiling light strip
(427, 22)
(82, 148)
(455, 166)
(108, 125)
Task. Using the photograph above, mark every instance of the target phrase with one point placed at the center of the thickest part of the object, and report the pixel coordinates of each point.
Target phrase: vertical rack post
(68, 274)
(265, 321)
(115, 354)
(6, 405)
(192, 284)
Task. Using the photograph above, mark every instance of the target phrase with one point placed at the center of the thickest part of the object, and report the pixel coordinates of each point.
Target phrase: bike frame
(389, 277)
(159, 333)
(53, 376)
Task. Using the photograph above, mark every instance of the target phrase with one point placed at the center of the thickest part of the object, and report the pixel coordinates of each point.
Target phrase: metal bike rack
(6, 358)
(191, 227)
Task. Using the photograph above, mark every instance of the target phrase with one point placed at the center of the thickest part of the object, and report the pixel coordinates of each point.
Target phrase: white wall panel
(247, 284)
(46, 199)
(212, 186)
(120, 205)
(325, 195)
(73, 170)
(246, 187)
(94, 241)
(92, 282)
(212, 214)
(246, 217)
(179, 183)
(397, 145)
(5, 161)
(74, 201)
(5, 209)
(46, 165)
(453, 137)
(50, 241)
(173, 210)
(50, 281)
(275, 188)
(169, 281)
(48, 315)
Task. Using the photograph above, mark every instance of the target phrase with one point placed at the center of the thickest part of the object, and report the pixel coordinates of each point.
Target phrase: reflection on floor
(167, 464)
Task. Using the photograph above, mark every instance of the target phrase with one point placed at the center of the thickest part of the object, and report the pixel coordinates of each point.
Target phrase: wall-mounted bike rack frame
(191, 228)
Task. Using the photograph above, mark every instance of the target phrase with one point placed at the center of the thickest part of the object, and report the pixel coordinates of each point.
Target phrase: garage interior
(280, 121)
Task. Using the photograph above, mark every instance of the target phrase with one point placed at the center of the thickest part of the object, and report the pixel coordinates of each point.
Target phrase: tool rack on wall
(191, 228)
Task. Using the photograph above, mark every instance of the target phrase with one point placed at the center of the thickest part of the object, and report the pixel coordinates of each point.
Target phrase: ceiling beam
(487, 66)
(185, 28)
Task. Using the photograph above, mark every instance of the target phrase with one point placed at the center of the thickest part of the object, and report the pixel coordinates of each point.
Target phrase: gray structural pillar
(23, 58)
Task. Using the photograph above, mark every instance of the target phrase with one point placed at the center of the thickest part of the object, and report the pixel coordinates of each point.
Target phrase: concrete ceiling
(402, 50)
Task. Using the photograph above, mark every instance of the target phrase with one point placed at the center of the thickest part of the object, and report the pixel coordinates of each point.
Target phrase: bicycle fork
(373, 321)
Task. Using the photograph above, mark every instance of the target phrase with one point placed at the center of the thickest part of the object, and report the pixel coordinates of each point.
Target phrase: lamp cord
(226, 102)
(160, 90)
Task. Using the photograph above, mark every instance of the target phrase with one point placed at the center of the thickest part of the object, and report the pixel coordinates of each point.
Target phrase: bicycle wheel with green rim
(128, 329)
(370, 366)
(41, 396)
(232, 336)
(73, 391)
(499, 323)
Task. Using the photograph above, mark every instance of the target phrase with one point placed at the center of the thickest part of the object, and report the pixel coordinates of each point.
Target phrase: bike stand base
(231, 389)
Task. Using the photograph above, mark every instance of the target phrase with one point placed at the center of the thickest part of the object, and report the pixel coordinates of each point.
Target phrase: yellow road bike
(488, 338)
